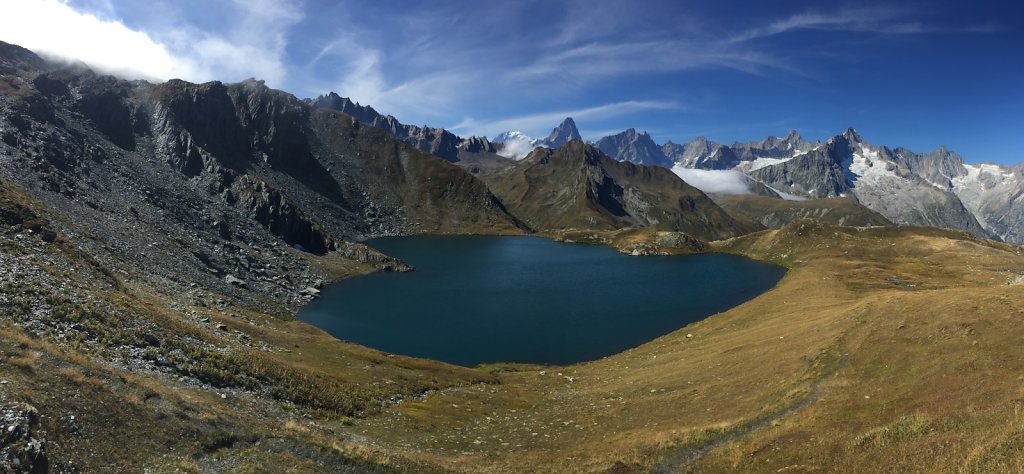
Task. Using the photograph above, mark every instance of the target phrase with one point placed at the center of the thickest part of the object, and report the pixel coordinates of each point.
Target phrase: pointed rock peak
(333, 96)
(793, 135)
(342, 104)
(563, 133)
(852, 136)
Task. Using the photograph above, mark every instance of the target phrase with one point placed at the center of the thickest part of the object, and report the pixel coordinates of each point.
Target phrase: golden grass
(882, 349)
(867, 356)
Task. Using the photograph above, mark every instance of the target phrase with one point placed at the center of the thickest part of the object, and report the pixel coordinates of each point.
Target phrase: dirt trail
(677, 461)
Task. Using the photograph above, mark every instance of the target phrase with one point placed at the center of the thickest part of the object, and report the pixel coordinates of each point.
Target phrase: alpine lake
(483, 299)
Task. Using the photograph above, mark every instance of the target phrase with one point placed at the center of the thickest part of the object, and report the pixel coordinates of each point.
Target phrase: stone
(235, 281)
(310, 291)
(22, 449)
(47, 235)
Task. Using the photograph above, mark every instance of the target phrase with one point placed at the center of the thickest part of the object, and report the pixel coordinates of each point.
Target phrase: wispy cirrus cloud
(878, 19)
(541, 123)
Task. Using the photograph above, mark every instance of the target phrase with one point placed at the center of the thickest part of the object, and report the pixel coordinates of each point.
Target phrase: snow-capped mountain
(933, 189)
(993, 193)
(516, 145)
(513, 135)
(904, 187)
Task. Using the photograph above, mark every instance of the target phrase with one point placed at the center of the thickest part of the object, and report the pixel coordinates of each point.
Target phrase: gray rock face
(938, 167)
(988, 191)
(21, 447)
(280, 215)
(994, 194)
(15, 59)
(701, 153)
(773, 147)
(876, 177)
(816, 175)
(902, 186)
(634, 147)
(436, 141)
(477, 145)
(193, 182)
(562, 134)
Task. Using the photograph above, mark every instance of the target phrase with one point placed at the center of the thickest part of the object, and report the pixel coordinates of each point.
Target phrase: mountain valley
(157, 240)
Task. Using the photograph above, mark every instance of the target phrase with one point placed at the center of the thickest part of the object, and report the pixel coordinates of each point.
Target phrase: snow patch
(866, 167)
(763, 162)
(787, 196)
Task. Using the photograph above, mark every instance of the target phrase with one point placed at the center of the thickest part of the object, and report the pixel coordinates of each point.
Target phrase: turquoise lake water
(478, 299)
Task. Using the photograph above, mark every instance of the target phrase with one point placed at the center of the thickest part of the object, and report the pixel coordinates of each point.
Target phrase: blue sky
(914, 74)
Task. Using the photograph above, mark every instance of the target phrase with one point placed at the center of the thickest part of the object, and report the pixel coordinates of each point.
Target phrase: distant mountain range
(905, 187)
(516, 145)
(932, 189)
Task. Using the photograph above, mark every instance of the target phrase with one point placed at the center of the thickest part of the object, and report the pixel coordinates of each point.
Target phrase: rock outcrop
(22, 448)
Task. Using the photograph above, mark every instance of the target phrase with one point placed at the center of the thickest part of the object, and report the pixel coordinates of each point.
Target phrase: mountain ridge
(577, 186)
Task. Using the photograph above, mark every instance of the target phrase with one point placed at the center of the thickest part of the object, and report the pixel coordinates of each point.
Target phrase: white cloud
(54, 28)
(715, 181)
(517, 147)
(863, 20)
(254, 46)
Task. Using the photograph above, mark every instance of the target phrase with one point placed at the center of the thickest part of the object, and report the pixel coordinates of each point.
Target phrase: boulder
(235, 281)
(21, 448)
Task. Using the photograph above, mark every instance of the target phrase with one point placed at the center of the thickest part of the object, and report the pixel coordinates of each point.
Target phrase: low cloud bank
(517, 147)
(715, 181)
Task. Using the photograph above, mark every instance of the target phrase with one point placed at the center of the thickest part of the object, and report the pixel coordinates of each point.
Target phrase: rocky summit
(436, 141)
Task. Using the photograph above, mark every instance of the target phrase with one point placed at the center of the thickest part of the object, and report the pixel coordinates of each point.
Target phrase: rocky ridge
(577, 186)
(934, 189)
(200, 181)
(633, 147)
(436, 141)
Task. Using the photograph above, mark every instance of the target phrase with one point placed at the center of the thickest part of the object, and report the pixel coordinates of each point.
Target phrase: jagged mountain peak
(563, 133)
(852, 136)
(629, 145)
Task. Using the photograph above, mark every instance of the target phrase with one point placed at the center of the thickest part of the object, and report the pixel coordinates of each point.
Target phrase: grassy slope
(436, 196)
(278, 377)
(880, 349)
(775, 213)
(884, 348)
